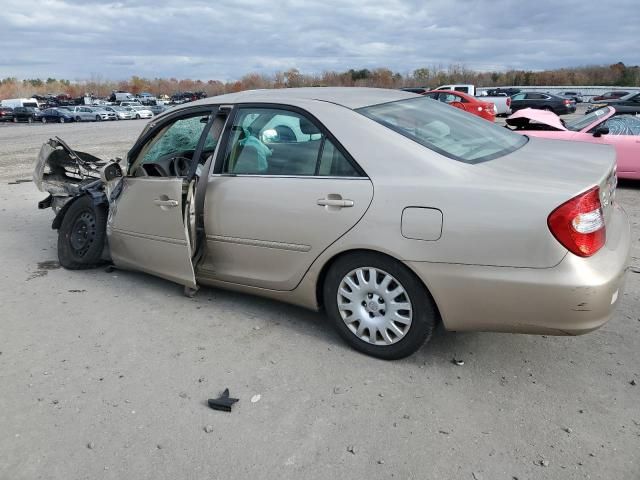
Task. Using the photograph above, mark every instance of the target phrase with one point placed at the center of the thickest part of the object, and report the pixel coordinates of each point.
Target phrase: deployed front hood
(522, 119)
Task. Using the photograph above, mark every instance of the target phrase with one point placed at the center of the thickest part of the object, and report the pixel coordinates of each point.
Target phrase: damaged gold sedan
(389, 210)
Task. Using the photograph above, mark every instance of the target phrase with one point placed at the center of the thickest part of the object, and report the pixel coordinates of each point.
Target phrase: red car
(610, 95)
(465, 102)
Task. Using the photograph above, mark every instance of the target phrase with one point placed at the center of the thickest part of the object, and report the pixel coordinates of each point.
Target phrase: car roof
(350, 97)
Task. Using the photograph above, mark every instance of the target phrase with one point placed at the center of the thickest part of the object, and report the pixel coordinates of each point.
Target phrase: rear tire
(98, 118)
(82, 234)
(375, 321)
(78, 119)
(44, 120)
(30, 120)
(61, 119)
(15, 119)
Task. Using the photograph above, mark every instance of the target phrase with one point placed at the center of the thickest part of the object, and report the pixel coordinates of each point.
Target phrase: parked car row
(79, 113)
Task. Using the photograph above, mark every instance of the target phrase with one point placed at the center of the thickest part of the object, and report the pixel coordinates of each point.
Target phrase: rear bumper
(576, 296)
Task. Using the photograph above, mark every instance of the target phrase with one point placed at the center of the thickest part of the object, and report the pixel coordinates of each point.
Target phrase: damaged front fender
(65, 173)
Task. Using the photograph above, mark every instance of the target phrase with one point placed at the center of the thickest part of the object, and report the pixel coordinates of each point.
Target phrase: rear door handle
(335, 202)
(166, 203)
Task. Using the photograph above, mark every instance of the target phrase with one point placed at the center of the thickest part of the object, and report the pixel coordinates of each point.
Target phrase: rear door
(283, 190)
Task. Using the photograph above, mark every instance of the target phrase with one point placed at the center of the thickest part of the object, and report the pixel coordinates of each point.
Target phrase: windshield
(444, 129)
(587, 120)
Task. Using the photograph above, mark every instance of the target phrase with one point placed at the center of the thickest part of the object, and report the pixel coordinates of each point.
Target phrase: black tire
(82, 234)
(61, 120)
(98, 118)
(78, 119)
(30, 120)
(424, 312)
(15, 119)
(44, 120)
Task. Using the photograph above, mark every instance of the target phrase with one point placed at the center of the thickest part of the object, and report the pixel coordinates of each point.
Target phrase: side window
(179, 138)
(621, 125)
(334, 164)
(534, 96)
(280, 142)
(519, 96)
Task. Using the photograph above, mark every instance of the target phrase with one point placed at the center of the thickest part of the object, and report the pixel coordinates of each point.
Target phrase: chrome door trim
(225, 175)
(260, 243)
(148, 236)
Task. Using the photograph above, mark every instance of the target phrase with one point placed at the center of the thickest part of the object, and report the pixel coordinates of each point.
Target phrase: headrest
(307, 127)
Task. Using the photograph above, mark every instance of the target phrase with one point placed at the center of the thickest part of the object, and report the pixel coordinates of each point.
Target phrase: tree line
(617, 74)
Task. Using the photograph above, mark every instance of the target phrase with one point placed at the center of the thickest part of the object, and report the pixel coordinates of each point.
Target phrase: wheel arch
(331, 261)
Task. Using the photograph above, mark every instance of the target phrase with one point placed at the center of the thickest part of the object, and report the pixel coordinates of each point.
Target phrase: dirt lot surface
(106, 375)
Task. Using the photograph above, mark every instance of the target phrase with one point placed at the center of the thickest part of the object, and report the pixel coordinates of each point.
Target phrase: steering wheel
(179, 166)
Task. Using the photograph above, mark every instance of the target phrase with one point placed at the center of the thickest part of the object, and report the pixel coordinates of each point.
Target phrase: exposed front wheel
(378, 305)
(82, 234)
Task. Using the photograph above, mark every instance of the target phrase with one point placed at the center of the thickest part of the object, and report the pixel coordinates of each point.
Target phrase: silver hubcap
(374, 306)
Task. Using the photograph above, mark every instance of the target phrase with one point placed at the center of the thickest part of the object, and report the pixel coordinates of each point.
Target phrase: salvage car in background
(26, 114)
(630, 103)
(6, 114)
(56, 115)
(605, 126)
(542, 101)
(361, 201)
(572, 95)
(139, 112)
(82, 113)
(121, 113)
(609, 96)
(101, 114)
(465, 102)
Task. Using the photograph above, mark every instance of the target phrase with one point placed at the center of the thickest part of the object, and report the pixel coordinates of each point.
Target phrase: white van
(19, 102)
(123, 96)
(468, 89)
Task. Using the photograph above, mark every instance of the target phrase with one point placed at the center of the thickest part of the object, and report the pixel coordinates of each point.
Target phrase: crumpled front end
(64, 173)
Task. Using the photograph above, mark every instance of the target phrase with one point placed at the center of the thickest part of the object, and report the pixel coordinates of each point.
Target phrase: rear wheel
(61, 120)
(137, 116)
(30, 119)
(15, 119)
(44, 120)
(82, 234)
(378, 305)
(78, 119)
(98, 118)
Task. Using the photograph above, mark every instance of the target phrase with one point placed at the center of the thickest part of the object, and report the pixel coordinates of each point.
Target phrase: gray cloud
(226, 39)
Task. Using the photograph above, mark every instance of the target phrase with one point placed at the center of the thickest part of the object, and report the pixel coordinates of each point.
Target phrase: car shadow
(443, 347)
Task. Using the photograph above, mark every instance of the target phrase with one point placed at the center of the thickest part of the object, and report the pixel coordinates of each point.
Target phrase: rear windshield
(444, 129)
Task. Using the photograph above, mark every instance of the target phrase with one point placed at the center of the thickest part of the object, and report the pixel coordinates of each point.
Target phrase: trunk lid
(556, 171)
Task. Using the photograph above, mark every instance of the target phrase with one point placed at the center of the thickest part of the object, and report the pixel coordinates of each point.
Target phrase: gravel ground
(106, 375)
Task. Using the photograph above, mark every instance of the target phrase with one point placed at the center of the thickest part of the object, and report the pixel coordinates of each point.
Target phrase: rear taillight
(567, 102)
(508, 102)
(579, 224)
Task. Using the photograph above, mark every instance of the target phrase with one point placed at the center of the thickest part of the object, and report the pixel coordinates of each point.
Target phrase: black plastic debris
(223, 403)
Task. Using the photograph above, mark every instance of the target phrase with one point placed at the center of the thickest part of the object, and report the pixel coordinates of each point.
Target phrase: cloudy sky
(225, 39)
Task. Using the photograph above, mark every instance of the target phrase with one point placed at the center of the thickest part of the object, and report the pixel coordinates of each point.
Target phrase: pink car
(606, 125)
